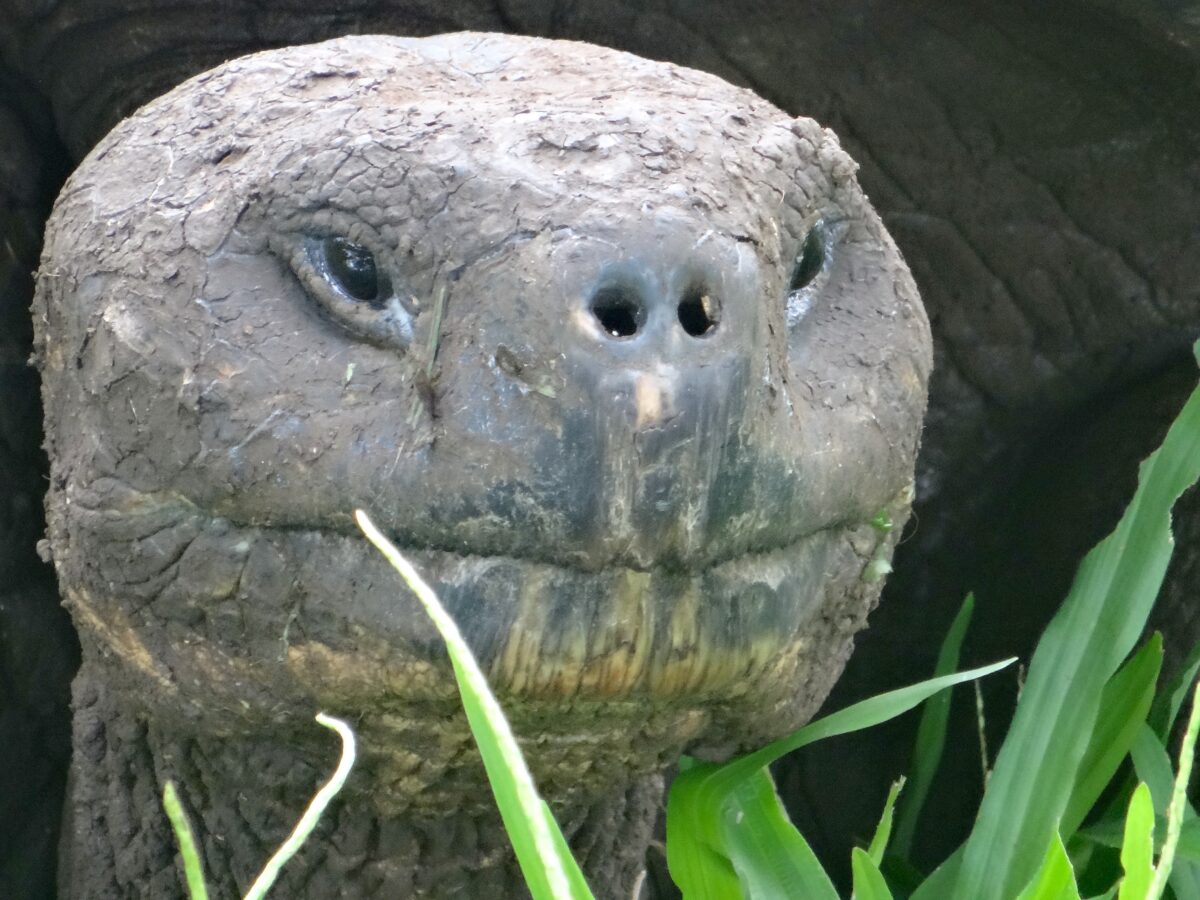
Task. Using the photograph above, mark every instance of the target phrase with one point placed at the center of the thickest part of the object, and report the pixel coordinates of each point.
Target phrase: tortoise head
(617, 353)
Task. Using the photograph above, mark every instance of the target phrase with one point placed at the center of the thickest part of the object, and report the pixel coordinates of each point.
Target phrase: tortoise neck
(243, 800)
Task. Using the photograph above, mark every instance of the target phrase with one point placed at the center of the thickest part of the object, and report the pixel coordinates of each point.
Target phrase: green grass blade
(1087, 640)
(1056, 879)
(864, 714)
(940, 884)
(1170, 699)
(550, 873)
(1161, 719)
(1124, 696)
(1153, 766)
(883, 832)
(869, 883)
(770, 856)
(931, 732)
(700, 871)
(1124, 705)
(1110, 834)
(697, 855)
(1185, 878)
(312, 815)
(1185, 872)
(1179, 805)
(578, 884)
(1188, 848)
(193, 872)
(1137, 850)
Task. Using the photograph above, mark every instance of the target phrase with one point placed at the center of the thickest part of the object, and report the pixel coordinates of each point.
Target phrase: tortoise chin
(231, 629)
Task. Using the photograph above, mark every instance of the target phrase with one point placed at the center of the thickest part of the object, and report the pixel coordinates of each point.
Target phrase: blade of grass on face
(193, 872)
(869, 883)
(550, 873)
(1082, 647)
(1056, 879)
(883, 831)
(931, 733)
(1124, 705)
(312, 814)
(1137, 850)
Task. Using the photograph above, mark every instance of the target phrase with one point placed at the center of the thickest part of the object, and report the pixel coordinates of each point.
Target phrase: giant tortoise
(1037, 167)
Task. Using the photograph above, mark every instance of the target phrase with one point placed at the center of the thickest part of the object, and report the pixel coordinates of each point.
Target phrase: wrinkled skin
(634, 370)
(1037, 164)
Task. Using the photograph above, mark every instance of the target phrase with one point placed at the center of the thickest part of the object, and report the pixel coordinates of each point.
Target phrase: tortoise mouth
(325, 605)
(545, 631)
(241, 630)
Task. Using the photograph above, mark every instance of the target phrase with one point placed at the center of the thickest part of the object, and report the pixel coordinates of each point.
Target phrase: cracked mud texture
(1038, 165)
(599, 384)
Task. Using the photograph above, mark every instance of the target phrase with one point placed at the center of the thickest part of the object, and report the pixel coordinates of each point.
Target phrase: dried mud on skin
(653, 544)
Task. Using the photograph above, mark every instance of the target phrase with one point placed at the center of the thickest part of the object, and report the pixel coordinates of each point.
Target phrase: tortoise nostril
(699, 312)
(619, 311)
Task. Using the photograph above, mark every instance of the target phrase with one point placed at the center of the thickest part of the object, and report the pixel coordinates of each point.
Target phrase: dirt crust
(656, 540)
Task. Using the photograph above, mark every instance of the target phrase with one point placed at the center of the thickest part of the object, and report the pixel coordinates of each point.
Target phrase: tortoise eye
(810, 260)
(351, 268)
(808, 269)
(352, 287)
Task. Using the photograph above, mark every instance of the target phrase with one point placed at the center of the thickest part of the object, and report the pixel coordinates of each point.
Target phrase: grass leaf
(869, 883)
(1110, 834)
(1096, 627)
(1137, 850)
(931, 732)
(1170, 699)
(1124, 705)
(1153, 766)
(698, 868)
(770, 856)
(1179, 803)
(864, 714)
(549, 869)
(312, 815)
(1056, 879)
(698, 855)
(883, 831)
(193, 872)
